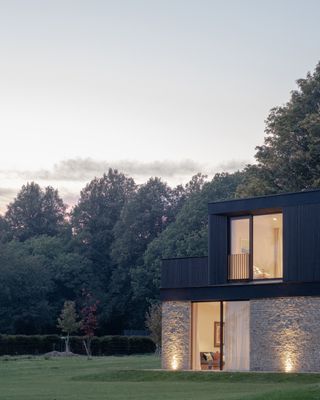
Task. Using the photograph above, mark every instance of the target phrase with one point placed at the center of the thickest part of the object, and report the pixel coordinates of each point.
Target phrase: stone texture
(285, 334)
(176, 335)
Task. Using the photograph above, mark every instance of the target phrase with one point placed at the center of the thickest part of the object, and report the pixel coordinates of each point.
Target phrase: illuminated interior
(208, 351)
(256, 247)
(267, 246)
(206, 336)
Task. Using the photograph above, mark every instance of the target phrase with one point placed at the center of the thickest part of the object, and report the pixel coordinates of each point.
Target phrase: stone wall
(285, 334)
(176, 335)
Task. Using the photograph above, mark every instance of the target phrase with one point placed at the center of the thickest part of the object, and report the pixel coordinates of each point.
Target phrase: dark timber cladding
(218, 249)
(184, 272)
(259, 205)
(232, 292)
(301, 243)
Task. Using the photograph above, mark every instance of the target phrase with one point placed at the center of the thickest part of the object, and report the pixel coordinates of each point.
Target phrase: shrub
(101, 346)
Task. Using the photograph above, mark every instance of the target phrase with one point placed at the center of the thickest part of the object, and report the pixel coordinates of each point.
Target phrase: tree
(154, 324)
(95, 215)
(36, 276)
(289, 159)
(35, 212)
(25, 287)
(5, 235)
(142, 219)
(89, 320)
(68, 270)
(93, 220)
(68, 322)
(180, 194)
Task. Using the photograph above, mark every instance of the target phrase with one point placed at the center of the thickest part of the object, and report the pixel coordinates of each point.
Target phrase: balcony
(184, 272)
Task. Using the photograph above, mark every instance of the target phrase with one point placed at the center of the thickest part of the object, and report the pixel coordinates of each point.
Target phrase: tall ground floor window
(220, 335)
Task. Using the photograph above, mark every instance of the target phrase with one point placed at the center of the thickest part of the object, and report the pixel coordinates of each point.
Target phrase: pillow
(207, 356)
(216, 356)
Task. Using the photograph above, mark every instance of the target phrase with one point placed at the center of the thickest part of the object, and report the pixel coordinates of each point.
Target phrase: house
(254, 302)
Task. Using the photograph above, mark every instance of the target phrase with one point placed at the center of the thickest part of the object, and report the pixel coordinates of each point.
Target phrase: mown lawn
(117, 378)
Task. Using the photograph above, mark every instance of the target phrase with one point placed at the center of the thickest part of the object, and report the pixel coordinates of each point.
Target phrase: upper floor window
(255, 247)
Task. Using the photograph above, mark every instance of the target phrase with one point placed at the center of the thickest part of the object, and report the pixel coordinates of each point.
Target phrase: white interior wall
(267, 244)
(203, 318)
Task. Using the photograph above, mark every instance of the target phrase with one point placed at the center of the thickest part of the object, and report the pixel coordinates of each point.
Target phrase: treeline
(48, 256)
(112, 242)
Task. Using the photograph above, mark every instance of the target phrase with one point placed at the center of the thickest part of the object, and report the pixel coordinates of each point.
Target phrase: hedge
(101, 346)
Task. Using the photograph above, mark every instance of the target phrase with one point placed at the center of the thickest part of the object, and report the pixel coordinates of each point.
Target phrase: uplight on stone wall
(290, 351)
(288, 364)
(284, 334)
(176, 335)
(174, 364)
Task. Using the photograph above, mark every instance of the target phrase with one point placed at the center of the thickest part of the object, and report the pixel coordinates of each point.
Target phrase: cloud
(231, 166)
(83, 169)
(70, 175)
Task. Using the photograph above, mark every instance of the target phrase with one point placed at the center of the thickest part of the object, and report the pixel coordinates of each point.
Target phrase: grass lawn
(117, 378)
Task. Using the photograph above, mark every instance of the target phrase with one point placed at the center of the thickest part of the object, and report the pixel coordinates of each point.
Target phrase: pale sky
(162, 87)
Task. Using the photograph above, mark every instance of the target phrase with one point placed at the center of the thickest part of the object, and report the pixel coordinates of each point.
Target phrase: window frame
(250, 218)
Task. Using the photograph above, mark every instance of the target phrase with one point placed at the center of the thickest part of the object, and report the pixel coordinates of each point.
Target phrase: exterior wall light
(174, 363)
(288, 364)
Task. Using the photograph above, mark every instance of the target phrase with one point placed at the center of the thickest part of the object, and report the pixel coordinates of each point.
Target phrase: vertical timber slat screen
(238, 267)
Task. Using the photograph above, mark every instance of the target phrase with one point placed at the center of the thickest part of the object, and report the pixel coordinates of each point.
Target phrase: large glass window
(240, 241)
(206, 332)
(220, 335)
(239, 248)
(256, 247)
(267, 246)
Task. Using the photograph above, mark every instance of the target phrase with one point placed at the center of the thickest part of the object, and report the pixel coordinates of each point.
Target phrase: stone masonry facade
(176, 335)
(285, 334)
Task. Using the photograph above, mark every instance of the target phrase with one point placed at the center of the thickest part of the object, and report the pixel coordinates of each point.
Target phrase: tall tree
(93, 221)
(94, 217)
(142, 219)
(289, 159)
(35, 212)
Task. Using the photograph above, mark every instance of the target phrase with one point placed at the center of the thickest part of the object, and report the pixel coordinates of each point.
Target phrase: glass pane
(240, 243)
(236, 330)
(206, 336)
(239, 249)
(267, 246)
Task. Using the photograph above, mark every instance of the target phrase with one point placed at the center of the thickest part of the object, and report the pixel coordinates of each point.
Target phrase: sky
(166, 88)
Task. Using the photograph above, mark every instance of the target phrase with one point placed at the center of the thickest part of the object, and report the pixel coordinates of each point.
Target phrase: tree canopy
(34, 212)
(289, 159)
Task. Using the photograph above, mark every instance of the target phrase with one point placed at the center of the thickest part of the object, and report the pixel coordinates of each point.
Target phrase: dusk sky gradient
(163, 88)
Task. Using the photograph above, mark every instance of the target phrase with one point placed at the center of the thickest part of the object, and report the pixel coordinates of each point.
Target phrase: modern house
(254, 302)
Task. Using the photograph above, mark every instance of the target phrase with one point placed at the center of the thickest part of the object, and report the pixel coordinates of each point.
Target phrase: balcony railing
(238, 267)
